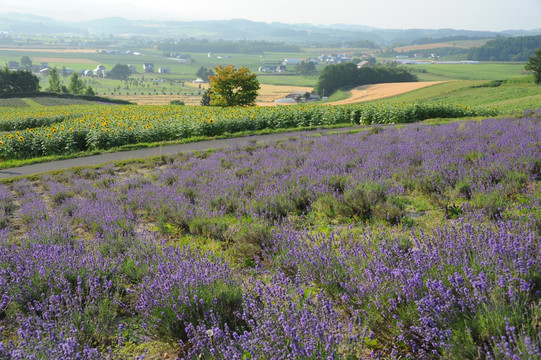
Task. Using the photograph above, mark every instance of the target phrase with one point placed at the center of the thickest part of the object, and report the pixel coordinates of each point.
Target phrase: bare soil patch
(381, 91)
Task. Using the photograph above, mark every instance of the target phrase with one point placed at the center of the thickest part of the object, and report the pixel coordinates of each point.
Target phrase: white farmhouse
(291, 61)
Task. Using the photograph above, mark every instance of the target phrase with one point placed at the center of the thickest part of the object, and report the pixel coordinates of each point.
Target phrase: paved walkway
(154, 151)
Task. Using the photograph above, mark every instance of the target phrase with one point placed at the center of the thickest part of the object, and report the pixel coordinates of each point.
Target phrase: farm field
(267, 94)
(154, 89)
(381, 91)
(482, 71)
(508, 96)
(415, 241)
(34, 132)
(464, 44)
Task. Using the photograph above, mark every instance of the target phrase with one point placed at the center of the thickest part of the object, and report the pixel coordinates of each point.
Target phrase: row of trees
(518, 48)
(76, 85)
(534, 66)
(347, 75)
(305, 68)
(18, 81)
(204, 73)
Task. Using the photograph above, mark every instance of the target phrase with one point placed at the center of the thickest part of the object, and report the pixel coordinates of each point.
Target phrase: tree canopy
(534, 65)
(18, 81)
(506, 49)
(233, 87)
(204, 73)
(334, 77)
(205, 98)
(76, 85)
(120, 72)
(55, 85)
(26, 62)
(306, 68)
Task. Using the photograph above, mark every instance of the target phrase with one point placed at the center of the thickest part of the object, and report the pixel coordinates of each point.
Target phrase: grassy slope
(510, 96)
(517, 93)
(482, 71)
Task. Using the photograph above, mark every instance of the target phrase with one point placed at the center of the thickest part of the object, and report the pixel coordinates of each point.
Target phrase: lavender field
(416, 242)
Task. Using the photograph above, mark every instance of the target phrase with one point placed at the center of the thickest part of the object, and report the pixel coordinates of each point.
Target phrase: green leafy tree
(55, 85)
(76, 85)
(18, 81)
(205, 98)
(26, 63)
(120, 72)
(534, 65)
(89, 91)
(5, 82)
(305, 68)
(204, 73)
(24, 81)
(233, 87)
(334, 77)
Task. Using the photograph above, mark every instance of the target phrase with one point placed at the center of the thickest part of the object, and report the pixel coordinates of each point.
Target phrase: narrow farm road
(154, 151)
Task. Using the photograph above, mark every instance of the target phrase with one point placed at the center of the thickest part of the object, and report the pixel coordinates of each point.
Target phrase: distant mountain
(236, 29)
(33, 24)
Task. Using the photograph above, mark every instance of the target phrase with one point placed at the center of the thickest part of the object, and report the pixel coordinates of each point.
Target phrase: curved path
(154, 151)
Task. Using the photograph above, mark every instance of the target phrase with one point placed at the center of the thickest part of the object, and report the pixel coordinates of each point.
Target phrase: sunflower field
(35, 132)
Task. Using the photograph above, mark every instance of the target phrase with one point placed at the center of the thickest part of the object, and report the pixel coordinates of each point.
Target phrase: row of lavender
(418, 242)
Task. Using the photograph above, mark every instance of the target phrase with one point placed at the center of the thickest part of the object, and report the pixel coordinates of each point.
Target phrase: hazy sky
(393, 14)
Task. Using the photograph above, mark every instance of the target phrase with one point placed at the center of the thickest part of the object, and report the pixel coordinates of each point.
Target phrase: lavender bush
(396, 242)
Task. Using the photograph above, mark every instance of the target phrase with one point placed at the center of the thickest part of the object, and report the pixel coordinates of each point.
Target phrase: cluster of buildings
(101, 71)
(118, 52)
(324, 59)
(43, 68)
(272, 68)
(298, 97)
(181, 58)
(332, 59)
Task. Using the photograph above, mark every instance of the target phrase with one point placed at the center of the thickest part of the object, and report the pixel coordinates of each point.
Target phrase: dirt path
(381, 91)
(155, 151)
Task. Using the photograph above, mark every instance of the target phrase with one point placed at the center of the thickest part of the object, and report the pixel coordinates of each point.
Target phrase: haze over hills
(236, 29)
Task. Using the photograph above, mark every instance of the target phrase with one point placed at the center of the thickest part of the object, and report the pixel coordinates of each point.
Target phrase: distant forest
(229, 47)
(426, 40)
(506, 49)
